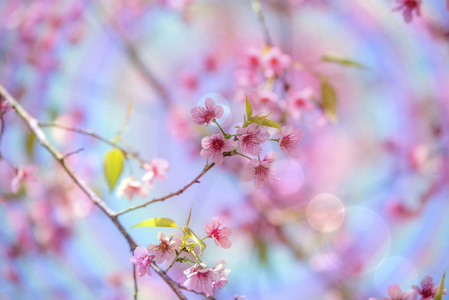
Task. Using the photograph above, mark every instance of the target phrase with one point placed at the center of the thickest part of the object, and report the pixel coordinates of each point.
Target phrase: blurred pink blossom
(155, 170)
(407, 7)
(275, 62)
(23, 174)
(205, 280)
(298, 102)
(130, 187)
(395, 293)
(220, 235)
(428, 289)
(289, 142)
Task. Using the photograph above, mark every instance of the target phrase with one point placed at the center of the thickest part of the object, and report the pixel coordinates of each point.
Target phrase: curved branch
(195, 180)
(33, 125)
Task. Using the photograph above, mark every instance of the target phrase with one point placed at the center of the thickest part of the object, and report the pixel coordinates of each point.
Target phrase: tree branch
(33, 125)
(195, 180)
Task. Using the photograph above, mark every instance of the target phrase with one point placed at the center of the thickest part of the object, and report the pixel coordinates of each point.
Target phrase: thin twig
(195, 180)
(136, 291)
(73, 152)
(33, 125)
(257, 7)
(128, 152)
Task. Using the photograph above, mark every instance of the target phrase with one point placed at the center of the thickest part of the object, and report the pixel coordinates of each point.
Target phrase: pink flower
(395, 293)
(289, 142)
(275, 62)
(23, 174)
(205, 280)
(268, 99)
(251, 137)
(156, 169)
(299, 101)
(428, 289)
(4, 106)
(130, 187)
(214, 146)
(252, 59)
(207, 115)
(260, 171)
(407, 7)
(165, 251)
(142, 261)
(220, 235)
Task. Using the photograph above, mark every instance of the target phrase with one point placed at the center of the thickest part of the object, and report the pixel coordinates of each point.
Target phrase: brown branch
(195, 180)
(33, 125)
(128, 153)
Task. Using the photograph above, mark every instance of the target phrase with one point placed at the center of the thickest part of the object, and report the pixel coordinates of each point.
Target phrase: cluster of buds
(199, 277)
(130, 187)
(246, 141)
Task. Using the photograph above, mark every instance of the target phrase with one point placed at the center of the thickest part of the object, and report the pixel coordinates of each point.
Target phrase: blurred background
(363, 208)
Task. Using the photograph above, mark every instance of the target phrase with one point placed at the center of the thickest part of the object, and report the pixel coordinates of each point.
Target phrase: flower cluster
(427, 291)
(199, 277)
(246, 141)
(130, 187)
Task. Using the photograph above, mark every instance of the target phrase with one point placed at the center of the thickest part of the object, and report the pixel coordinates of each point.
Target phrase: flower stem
(224, 134)
(243, 155)
(274, 140)
(173, 262)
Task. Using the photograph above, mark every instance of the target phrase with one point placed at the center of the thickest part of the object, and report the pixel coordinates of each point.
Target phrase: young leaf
(329, 100)
(343, 61)
(249, 108)
(157, 222)
(439, 294)
(270, 123)
(197, 240)
(113, 167)
(255, 120)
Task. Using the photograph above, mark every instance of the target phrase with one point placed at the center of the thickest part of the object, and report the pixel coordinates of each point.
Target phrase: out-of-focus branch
(195, 180)
(127, 152)
(133, 55)
(33, 125)
(257, 7)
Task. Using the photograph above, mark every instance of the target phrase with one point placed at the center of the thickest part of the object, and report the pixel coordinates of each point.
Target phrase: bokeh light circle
(325, 212)
(291, 177)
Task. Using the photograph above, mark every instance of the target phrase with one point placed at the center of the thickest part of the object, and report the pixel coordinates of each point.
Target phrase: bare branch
(33, 125)
(195, 180)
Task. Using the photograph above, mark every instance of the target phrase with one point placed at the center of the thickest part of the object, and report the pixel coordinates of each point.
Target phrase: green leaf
(157, 222)
(255, 120)
(249, 108)
(270, 123)
(329, 100)
(197, 240)
(113, 167)
(439, 294)
(30, 143)
(342, 61)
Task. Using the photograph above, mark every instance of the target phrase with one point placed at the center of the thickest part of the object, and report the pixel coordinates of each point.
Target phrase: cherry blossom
(142, 260)
(395, 293)
(428, 289)
(289, 142)
(407, 7)
(260, 171)
(275, 62)
(23, 174)
(205, 280)
(214, 146)
(165, 251)
(251, 137)
(207, 115)
(155, 170)
(298, 102)
(220, 235)
(130, 187)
